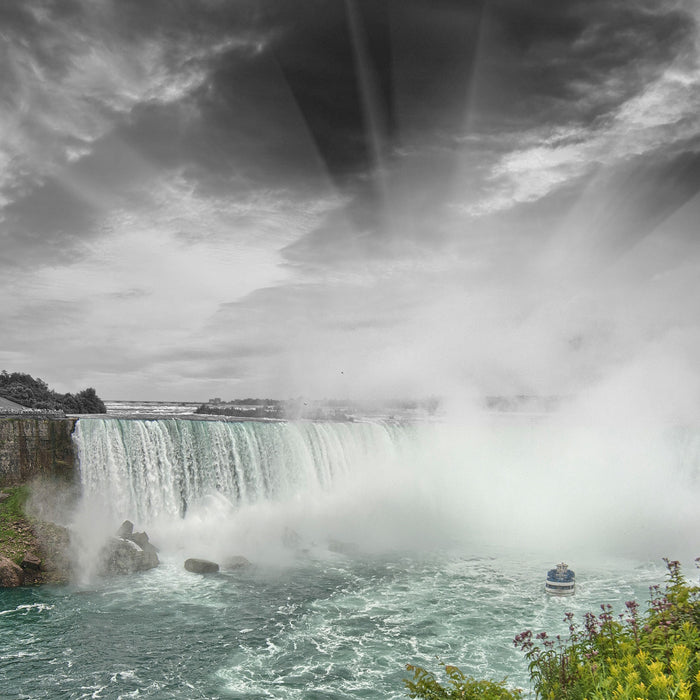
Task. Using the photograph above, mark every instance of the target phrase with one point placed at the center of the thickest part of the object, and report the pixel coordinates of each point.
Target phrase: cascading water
(523, 482)
(155, 468)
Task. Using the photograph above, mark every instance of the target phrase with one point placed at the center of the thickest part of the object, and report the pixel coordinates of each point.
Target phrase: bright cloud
(665, 112)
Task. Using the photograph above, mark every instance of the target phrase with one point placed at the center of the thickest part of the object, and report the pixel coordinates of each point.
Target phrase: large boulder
(11, 575)
(141, 539)
(125, 529)
(31, 562)
(201, 566)
(122, 556)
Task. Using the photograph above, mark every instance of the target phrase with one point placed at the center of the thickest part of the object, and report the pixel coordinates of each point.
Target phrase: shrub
(425, 685)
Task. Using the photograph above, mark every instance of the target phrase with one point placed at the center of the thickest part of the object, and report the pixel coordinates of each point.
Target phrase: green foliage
(35, 393)
(13, 507)
(654, 655)
(425, 685)
(12, 511)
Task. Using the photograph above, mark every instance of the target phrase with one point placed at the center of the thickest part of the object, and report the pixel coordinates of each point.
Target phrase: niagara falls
(350, 349)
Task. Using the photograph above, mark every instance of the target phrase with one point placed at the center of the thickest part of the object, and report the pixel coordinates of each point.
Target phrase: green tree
(35, 393)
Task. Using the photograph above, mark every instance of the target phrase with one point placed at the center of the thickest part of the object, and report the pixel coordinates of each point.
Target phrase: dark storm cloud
(556, 61)
(250, 121)
(548, 60)
(316, 54)
(368, 73)
(491, 80)
(85, 88)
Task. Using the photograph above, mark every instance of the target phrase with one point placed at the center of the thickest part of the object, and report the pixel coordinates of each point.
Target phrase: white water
(154, 468)
(526, 483)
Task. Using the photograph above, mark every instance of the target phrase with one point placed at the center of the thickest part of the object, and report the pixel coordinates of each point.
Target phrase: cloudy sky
(350, 198)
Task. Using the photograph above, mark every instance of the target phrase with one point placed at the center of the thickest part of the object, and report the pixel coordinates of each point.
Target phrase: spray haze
(529, 483)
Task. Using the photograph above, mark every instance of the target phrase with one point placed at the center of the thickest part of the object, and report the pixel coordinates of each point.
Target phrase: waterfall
(514, 481)
(154, 468)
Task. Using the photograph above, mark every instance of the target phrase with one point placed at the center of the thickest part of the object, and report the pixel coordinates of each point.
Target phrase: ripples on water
(323, 627)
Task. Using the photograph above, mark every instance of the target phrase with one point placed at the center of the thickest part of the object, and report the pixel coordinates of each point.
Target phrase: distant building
(216, 400)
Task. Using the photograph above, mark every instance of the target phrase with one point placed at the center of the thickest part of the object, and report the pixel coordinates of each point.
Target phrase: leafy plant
(425, 685)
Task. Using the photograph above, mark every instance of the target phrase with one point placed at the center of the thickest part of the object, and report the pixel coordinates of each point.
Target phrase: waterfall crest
(154, 468)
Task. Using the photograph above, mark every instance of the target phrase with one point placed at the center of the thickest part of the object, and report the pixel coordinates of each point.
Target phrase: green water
(321, 626)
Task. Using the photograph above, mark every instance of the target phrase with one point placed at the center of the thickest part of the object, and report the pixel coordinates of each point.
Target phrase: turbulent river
(371, 545)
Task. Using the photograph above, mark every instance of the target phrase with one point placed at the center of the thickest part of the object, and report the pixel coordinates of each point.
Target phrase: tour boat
(560, 581)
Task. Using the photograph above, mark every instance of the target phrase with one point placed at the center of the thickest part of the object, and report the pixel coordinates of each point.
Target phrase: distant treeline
(35, 393)
(256, 410)
(324, 409)
(249, 402)
(278, 410)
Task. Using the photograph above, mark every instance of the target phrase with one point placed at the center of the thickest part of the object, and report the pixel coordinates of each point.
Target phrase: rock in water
(121, 556)
(11, 575)
(201, 566)
(141, 539)
(126, 529)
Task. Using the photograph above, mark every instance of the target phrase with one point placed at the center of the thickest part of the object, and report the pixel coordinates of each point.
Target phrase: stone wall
(38, 446)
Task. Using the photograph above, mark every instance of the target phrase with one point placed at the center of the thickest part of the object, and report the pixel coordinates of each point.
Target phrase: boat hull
(560, 588)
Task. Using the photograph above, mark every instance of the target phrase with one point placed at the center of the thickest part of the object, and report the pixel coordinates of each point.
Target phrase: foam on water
(331, 627)
(24, 609)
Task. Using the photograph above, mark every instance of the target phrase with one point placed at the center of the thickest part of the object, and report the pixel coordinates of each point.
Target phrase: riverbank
(38, 547)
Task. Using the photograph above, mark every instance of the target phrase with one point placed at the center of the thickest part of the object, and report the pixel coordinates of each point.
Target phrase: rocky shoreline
(35, 551)
(32, 551)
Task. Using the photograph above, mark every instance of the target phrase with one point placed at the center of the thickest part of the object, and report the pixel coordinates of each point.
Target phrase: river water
(319, 627)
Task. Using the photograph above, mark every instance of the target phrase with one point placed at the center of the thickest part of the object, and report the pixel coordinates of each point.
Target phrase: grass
(16, 536)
